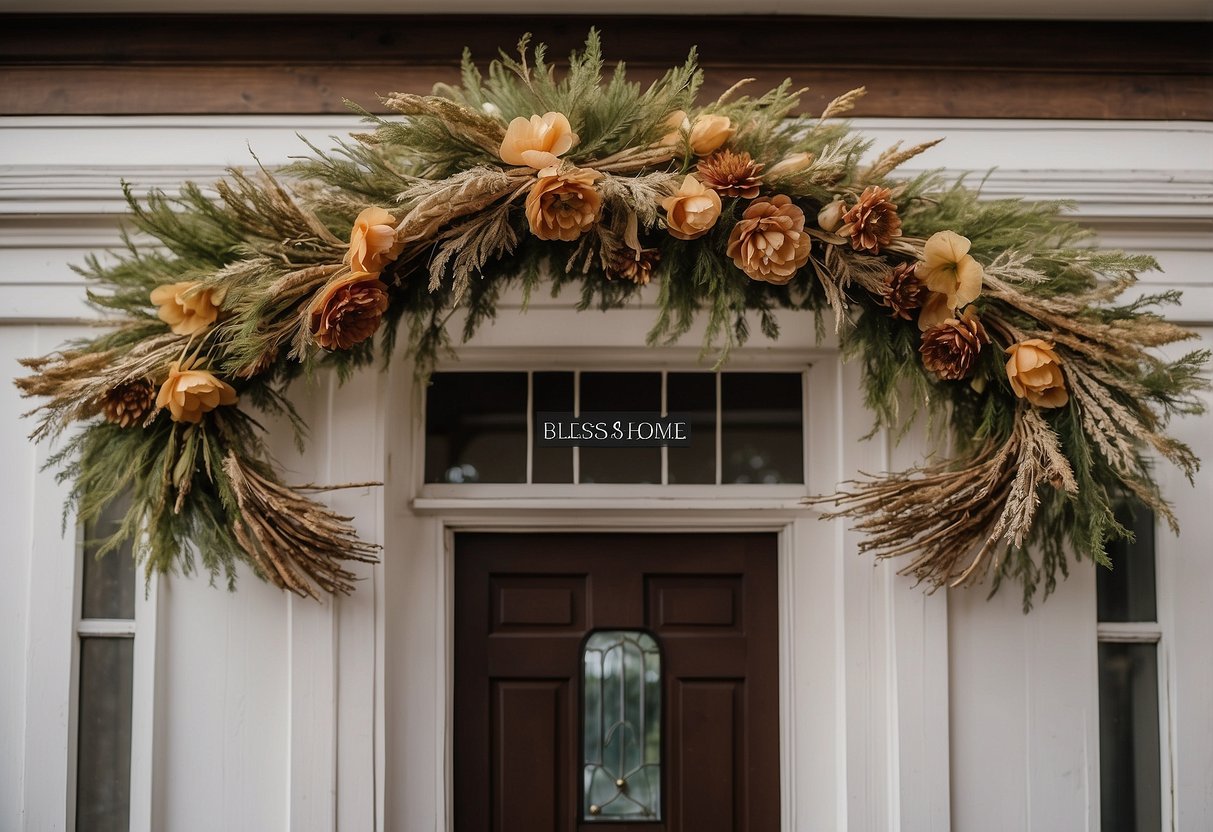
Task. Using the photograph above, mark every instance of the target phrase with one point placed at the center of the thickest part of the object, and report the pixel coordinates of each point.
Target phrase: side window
(105, 650)
(1130, 704)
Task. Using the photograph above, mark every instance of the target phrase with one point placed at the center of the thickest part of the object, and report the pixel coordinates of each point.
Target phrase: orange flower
(793, 163)
(1035, 373)
(190, 392)
(563, 204)
(537, 142)
(709, 132)
(949, 270)
(348, 310)
(679, 126)
(188, 307)
(373, 241)
(769, 242)
(692, 211)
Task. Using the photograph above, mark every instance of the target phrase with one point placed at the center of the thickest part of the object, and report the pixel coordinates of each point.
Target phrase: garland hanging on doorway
(998, 319)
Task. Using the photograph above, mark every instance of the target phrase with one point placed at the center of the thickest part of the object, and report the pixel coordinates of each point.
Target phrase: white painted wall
(263, 712)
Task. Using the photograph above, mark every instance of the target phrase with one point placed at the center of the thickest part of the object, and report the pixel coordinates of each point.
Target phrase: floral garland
(996, 317)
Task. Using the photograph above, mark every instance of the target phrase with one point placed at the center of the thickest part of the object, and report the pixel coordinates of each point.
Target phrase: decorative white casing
(900, 710)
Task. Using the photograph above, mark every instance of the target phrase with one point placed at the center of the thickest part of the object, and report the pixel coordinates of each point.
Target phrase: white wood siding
(901, 711)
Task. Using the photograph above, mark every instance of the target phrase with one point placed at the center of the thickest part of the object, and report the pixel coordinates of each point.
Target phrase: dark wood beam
(139, 64)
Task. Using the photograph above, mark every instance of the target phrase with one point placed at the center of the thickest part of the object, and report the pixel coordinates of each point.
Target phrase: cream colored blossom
(373, 241)
(187, 307)
(190, 392)
(947, 269)
(1034, 371)
(709, 132)
(692, 211)
(537, 142)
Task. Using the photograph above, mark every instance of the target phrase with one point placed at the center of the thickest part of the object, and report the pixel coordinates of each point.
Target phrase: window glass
(621, 392)
(108, 583)
(103, 735)
(693, 395)
(621, 725)
(476, 428)
(1130, 789)
(1127, 591)
(761, 438)
(553, 393)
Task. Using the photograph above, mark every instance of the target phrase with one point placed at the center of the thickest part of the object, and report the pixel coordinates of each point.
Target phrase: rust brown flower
(903, 292)
(1034, 370)
(633, 265)
(872, 222)
(769, 242)
(563, 204)
(731, 173)
(950, 349)
(190, 391)
(129, 403)
(348, 310)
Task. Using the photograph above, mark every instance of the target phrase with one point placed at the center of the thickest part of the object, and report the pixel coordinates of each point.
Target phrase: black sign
(612, 430)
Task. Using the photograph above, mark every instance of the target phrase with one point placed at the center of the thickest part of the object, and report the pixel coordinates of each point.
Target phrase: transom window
(746, 427)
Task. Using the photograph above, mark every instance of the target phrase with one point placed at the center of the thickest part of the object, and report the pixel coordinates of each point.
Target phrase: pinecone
(903, 292)
(730, 173)
(129, 403)
(872, 222)
(636, 266)
(950, 349)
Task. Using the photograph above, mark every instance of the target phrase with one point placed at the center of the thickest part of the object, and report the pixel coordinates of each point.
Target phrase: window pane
(761, 428)
(553, 392)
(1126, 592)
(621, 392)
(108, 589)
(103, 736)
(693, 395)
(621, 722)
(475, 427)
(1130, 795)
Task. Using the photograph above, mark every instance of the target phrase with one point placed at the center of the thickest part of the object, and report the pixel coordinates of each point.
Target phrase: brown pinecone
(730, 173)
(903, 292)
(951, 348)
(348, 311)
(636, 266)
(872, 222)
(129, 403)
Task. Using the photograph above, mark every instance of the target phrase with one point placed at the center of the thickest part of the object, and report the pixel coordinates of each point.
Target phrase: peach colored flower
(189, 392)
(949, 270)
(829, 218)
(709, 132)
(348, 310)
(373, 241)
(187, 307)
(537, 142)
(1035, 373)
(563, 204)
(679, 126)
(692, 211)
(792, 163)
(769, 242)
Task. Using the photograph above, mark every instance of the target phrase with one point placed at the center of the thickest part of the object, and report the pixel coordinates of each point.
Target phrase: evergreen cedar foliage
(1022, 487)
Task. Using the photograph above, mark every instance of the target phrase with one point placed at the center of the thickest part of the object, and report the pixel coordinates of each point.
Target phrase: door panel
(524, 604)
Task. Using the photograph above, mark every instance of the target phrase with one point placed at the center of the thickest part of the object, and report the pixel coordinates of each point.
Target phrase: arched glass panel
(621, 723)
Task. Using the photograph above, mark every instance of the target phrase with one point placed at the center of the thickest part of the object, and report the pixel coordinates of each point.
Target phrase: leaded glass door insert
(621, 726)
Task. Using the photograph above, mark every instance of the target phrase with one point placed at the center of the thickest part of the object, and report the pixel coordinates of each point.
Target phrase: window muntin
(621, 727)
(747, 427)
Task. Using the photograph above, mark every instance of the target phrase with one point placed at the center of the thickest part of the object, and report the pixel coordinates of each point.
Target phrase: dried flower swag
(996, 317)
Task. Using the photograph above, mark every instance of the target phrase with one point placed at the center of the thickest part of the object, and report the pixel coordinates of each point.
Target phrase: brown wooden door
(524, 604)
